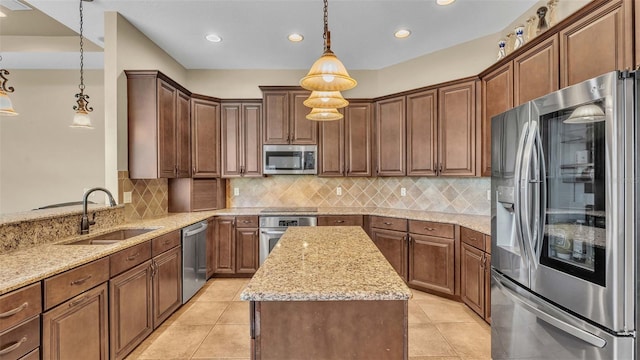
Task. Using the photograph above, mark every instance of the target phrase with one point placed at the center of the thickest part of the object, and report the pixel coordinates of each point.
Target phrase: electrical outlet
(236, 191)
(403, 191)
(126, 197)
(339, 191)
(489, 195)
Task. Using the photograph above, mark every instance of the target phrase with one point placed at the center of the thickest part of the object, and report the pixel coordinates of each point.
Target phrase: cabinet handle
(13, 347)
(440, 168)
(388, 223)
(472, 239)
(194, 170)
(482, 263)
(79, 301)
(133, 257)
(166, 242)
(154, 268)
(339, 221)
(429, 228)
(409, 239)
(348, 170)
(14, 311)
(246, 221)
(80, 281)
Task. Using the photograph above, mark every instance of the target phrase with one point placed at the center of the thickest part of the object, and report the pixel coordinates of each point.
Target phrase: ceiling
(254, 32)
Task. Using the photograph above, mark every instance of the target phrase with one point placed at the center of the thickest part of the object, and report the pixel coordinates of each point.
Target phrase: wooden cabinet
(535, 72)
(497, 97)
(236, 245)
(211, 246)
(422, 133)
(391, 137)
(78, 328)
(205, 137)
(457, 129)
(432, 250)
(189, 194)
(345, 145)
(341, 220)
(158, 126)
(18, 342)
(241, 147)
(20, 322)
(390, 236)
(285, 119)
(475, 272)
(167, 284)
(598, 43)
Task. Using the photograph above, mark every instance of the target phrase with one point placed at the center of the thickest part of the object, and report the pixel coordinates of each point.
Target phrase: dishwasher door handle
(272, 232)
(203, 227)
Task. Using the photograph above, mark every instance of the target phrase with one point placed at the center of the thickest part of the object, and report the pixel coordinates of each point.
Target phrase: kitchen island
(327, 293)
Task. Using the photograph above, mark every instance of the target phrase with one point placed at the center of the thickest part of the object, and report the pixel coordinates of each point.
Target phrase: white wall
(42, 160)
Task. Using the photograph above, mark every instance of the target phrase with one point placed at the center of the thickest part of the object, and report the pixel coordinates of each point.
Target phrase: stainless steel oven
(273, 227)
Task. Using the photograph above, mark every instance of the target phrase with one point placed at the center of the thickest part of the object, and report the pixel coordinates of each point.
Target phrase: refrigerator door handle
(517, 193)
(523, 190)
(542, 199)
(541, 311)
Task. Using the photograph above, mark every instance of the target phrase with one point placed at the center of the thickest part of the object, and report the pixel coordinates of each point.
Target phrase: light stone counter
(328, 263)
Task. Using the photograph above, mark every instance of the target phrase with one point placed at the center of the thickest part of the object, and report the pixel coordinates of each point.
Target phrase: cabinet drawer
(165, 242)
(34, 355)
(472, 237)
(128, 258)
(71, 283)
(19, 305)
(431, 228)
(20, 340)
(389, 223)
(247, 221)
(340, 220)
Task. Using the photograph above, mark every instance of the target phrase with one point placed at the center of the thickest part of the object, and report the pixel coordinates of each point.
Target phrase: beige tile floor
(215, 325)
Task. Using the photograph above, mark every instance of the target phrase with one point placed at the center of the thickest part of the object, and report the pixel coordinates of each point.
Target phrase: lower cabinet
(211, 246)
(236, 250)
(340, 220)
(393, 245)
(78, 328)
(247, 257)
(167, 284)
(475, 272)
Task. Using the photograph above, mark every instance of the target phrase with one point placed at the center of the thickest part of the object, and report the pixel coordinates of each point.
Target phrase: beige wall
(42, 160)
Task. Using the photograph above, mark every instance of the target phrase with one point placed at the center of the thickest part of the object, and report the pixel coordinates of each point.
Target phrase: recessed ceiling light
(295, 37)
(445, 2)
(214, 38)
(402, 33)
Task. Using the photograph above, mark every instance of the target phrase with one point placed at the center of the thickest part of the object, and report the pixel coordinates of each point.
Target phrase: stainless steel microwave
(290, 159)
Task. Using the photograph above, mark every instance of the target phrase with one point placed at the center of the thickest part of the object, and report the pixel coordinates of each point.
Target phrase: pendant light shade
(326, 99)
(81, 119)
(327, 73)
(6, 106)
(324, 115)
(586, 114)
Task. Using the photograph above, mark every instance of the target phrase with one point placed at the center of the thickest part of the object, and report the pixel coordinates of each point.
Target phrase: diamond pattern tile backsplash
(452, 195)
(149, 197)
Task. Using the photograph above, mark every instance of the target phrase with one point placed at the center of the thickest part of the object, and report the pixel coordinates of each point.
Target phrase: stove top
(292, 210)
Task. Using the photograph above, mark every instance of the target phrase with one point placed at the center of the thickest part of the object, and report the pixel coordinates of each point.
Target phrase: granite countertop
(327, 263)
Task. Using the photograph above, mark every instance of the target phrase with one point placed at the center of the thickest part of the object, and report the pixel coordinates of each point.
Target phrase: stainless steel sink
(112, 237)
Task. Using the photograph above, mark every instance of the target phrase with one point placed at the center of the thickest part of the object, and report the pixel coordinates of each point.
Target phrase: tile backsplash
(149, 197)
(452, 195)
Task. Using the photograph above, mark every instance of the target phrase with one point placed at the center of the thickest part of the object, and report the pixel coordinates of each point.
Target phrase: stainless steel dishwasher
(194, 259)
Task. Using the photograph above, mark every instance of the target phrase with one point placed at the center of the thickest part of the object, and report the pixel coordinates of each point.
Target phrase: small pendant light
(81, 118)
(6, 107)
(327, 73)
(326, 99)
(324, 114)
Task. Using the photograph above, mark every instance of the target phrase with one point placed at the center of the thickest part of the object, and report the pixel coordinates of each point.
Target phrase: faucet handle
(93, 219)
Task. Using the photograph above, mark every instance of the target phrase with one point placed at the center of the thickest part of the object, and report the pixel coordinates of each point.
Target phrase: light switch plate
(403, 191)
(489, 195)
(236, 191)
(339, 191)
(126, 197)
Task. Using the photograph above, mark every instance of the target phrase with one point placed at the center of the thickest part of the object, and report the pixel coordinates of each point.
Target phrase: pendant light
(327, 73)
(81, 118)
(327, 114)
(6, 107)
(584, 114)
(326, 99)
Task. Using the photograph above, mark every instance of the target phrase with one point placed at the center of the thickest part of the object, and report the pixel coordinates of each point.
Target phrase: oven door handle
(272, 232)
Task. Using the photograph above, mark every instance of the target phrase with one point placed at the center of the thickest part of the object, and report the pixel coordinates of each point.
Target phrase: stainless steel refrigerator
(564, 223)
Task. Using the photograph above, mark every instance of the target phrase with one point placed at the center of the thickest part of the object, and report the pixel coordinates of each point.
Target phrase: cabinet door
(535, 73)
(251, 145)
(331, 148)
(247, 259)
(393, 245)
(205, 138)
(183, 136)
(457, 123)
(303, 131)
(487, 288)
(276, 117)
(422, 134)
(211, 246)
(167, 284)
(231, 140)
(597, 44)
(358, 122)
(497, 97)
(431, 263)
(472, 278)
(225, 245)
(167, 160)
(78, 328)
(130, 309)
(390, 137)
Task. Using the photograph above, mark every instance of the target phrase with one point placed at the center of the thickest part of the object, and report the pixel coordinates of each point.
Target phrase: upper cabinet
(598, 43)
(535, 72)
(422, 133)
(345, 145)
(158, 118)
(241, 131)
(205, 137)
(391, 137)
(285, 119)
(497, 97)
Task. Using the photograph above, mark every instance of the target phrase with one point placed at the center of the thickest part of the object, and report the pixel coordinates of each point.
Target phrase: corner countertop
(328, 263)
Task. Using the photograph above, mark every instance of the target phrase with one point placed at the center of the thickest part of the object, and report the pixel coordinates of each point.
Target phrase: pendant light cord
(326, 35)
(81, 86)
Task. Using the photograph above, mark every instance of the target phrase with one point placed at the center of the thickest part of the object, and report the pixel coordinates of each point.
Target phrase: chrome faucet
(85, 222)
